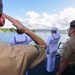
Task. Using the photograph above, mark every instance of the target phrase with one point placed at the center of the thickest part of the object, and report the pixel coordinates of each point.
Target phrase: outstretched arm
(21, 27)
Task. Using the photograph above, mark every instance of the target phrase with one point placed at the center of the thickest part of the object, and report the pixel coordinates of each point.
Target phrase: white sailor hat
(53, 28)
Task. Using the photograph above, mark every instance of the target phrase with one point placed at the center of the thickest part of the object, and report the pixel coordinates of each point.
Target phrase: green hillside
(11, 30)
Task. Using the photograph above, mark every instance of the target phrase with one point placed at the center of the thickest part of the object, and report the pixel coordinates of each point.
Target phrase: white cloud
(35, 20)
(32, 14)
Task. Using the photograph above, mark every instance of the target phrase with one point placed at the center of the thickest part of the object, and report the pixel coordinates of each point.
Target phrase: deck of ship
(41, 68)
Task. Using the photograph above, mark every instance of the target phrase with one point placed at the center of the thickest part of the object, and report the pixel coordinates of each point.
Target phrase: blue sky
(40, 13)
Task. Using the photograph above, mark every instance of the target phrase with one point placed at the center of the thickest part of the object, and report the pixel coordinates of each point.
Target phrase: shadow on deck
(41, 68)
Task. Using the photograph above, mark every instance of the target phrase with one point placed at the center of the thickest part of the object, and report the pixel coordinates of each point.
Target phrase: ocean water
(5, 37)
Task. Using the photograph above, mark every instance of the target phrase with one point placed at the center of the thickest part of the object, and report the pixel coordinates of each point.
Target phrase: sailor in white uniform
(52, 47)
(20, 38)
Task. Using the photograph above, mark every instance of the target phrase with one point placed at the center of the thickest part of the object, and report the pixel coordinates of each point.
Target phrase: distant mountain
(48, 30)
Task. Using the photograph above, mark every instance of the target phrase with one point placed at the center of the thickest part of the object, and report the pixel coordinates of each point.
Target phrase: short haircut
(19, 31)
(72, 24)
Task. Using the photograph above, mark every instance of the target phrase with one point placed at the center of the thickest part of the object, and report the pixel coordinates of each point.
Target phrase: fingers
(9, 18)
(15, 22)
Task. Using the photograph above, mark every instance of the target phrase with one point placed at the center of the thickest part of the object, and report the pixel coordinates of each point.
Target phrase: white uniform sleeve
(28, 39)
(48, 42)
(11, 41)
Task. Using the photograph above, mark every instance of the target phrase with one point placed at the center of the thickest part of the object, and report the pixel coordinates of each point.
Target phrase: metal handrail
(59, 45)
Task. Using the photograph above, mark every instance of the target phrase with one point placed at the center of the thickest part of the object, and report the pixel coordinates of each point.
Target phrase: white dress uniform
(20, 39)
(52, 47)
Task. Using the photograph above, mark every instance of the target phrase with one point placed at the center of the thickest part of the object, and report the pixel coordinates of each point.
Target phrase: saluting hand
(15, 23)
